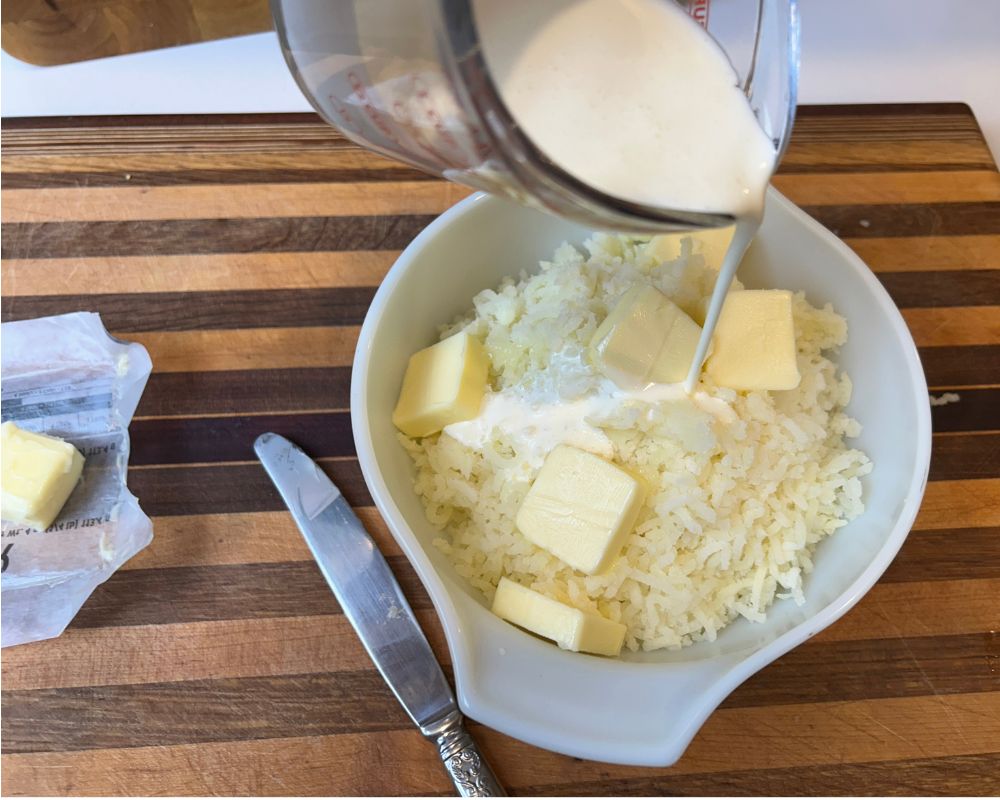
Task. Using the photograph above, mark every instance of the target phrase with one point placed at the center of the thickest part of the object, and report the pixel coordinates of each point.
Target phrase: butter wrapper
(67, 377)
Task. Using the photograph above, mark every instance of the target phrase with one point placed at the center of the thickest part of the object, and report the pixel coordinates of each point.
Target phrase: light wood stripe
(205, 540)
(247, 201)
(327, 643)
(963, 504)
(825, 733)
(248, 348)
(968, 325)
(918, 253)
(167, 135)
(197, 651)
(952, 186)
(194, 273)
(251, 538)
(430, 197)
(933, 608)
(272, 348)
(842, 732)
(123, 162)
(889, 154)
(897, 145)
(878, 127)
(125, 139)
(238, 271)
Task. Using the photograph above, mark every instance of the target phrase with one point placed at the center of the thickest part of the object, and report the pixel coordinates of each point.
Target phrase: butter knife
(374, 603)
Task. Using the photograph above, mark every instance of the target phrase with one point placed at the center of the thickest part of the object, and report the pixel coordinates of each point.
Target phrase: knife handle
(466, 766)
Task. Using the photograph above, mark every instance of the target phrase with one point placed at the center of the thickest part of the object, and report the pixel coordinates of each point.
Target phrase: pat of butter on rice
(742, 485)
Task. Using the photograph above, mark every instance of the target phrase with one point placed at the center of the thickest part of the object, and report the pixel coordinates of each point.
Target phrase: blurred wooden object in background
(49, 32)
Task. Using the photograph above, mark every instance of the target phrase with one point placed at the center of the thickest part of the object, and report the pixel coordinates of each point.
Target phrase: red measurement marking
(368, 107)
(345, 120)
(698, 9)
(456, 152)
(410, 126)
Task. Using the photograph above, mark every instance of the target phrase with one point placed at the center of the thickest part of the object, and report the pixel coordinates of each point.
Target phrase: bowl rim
(667, 751)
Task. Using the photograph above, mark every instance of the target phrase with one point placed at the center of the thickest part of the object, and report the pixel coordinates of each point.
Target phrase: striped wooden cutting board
(243, 252)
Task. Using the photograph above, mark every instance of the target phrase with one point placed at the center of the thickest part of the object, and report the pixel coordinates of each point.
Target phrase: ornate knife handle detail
(468, 769)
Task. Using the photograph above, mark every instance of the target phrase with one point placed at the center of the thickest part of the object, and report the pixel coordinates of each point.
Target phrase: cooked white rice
(735, 508)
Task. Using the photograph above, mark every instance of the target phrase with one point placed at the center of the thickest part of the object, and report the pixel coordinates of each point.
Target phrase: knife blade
(373, 602)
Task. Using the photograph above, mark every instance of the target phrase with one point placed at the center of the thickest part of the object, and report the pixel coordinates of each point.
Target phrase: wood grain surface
(48, 32)
(243, 252)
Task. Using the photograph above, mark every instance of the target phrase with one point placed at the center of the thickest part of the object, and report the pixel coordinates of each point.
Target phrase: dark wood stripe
(930, 219)
(304, 389)
(174, 595)
(980, 287)
(187, 236)
(866, 670)
(232, 488)
(329, 435)
(239, 176)
(200, 177)
(879, 164)
(255, 591)
(976, 410)
(347, 305)
(965, 457)
(290, 234)
(222, 121)
(236, 488)
(960, 112)
(946, 555)
(960, 775)
(975, 365)
(877, 111)
(218, 439)
(155, 714)
(185, 311)
(375, 173)
(860, 134)
(249, 391)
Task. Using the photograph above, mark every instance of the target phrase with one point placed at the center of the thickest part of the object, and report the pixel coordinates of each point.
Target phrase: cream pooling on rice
(535, 422)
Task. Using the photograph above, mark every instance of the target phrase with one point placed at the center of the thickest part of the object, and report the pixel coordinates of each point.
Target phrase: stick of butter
(568, 627)
(580, 508)
(39, 473)
(444, 383)
(645, 339)
(754, 342)
(711, 243)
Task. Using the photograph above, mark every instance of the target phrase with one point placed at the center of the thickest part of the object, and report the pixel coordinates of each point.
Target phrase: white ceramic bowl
(645, 708)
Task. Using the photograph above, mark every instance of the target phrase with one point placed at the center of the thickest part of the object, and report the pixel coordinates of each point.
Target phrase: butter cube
(444, 383)
(754, 342)
(568, 627)
(711, 244)
(39, 473)
(645, 339)
(580, 508)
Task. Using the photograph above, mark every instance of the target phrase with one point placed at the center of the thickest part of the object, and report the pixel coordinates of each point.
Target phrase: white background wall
(853, 51)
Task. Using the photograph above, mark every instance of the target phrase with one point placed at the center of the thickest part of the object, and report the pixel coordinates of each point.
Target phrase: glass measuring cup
(407, 78)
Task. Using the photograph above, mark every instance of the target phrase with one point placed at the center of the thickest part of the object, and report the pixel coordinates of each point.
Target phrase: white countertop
(853, 51)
